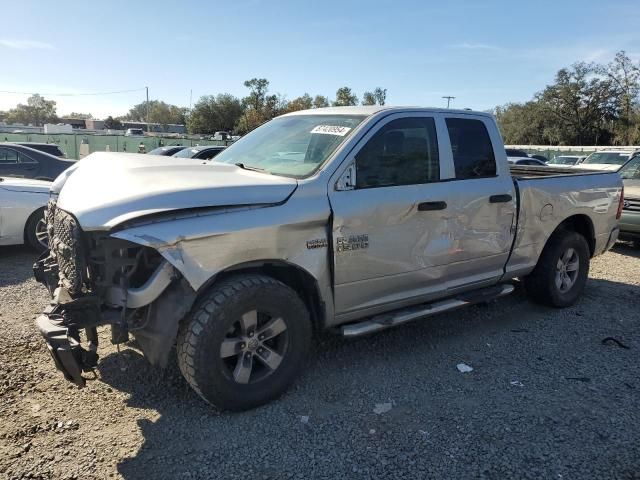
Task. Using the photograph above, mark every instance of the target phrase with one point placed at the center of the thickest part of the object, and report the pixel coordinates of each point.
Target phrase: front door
(386, 226)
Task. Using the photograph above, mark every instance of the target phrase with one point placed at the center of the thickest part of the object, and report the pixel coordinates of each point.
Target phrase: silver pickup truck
(350, 219)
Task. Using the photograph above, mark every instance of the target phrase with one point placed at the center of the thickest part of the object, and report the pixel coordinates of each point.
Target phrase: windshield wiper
(253, 169)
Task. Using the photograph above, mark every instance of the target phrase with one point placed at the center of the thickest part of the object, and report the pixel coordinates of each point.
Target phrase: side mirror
(347, 180)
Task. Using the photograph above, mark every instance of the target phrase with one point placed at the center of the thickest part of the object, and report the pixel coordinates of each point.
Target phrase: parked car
(22, 206)
(347, 219)
(516, 153)
(50, 148)
(537, 156)
(610, 160)
(221, 136)
(167, 151)
(630, 220)
(202, 152)
(526, 161)
(134, 132)
(20, 161)
(567, 160)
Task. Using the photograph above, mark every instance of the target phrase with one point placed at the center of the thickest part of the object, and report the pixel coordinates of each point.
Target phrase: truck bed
(531, 172)
(549, 195)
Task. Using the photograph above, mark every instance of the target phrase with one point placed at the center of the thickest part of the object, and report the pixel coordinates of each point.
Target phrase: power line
(74, 94)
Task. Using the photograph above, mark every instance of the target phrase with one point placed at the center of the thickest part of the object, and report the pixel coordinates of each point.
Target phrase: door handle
(500, 198)
(429, 206)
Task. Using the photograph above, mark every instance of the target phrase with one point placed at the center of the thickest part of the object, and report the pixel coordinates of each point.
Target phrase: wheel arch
(581, 224)
(292, 275)
(33, 214)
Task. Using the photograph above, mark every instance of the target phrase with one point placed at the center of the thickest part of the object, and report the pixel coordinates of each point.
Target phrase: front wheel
(244, 342)
(562, 270)
(35, 231)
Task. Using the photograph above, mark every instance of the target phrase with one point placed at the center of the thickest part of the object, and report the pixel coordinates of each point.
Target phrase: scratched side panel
(546, 202)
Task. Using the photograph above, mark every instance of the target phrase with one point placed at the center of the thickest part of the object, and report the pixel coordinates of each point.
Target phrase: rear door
(481, 200)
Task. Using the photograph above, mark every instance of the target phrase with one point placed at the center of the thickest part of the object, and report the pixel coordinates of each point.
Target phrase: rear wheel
(562, 270)
(244, 342)
(35, 231)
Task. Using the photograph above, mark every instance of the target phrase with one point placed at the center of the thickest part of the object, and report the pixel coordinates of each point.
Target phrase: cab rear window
(472, 149)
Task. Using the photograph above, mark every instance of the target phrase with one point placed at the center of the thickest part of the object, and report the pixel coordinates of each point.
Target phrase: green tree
(156, 111)
(258, 88)
(112, 123)
(259, 107)
(344, 97)
(380, 95)
(320, 101)
(625, 77)
(377, 97)
(211, 114)
(368, 98)
(581, 103)
(305, 102)
(37, 111)
(522, 123)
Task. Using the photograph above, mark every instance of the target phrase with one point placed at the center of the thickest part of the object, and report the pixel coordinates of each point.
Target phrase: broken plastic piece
(464, 368)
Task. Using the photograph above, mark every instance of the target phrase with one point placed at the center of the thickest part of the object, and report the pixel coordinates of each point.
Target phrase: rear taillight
(620, 204)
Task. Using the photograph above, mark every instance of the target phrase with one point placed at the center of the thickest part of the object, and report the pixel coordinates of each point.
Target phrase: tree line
(209, 114)
(587, 104)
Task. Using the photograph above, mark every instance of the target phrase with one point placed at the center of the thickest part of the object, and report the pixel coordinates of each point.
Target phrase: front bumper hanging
(66, 352)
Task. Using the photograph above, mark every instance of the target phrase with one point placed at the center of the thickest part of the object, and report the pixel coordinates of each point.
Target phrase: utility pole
(449, 98)
(147, 109)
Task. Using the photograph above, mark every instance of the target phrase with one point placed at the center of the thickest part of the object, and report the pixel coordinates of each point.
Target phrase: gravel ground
(546, 398)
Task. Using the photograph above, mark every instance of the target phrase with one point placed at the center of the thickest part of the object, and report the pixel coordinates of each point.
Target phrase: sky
(485, 53)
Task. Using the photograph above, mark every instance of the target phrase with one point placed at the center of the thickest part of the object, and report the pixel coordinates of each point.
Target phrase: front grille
(631, 205)
(67, 248)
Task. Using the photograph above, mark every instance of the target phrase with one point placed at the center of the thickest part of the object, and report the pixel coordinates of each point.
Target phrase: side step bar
(387, 320)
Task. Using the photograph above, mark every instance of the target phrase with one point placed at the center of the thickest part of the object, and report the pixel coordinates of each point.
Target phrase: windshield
(563, 160)
(293, 146)
(610, 158)
(631, 171)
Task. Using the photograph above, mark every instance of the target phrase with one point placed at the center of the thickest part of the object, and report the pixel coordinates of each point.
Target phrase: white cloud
(25, 44)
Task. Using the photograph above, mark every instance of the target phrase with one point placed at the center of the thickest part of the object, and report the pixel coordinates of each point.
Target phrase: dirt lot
(546, 398)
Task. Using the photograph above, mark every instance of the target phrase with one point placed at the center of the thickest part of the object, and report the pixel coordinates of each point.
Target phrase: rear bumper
(66, 352)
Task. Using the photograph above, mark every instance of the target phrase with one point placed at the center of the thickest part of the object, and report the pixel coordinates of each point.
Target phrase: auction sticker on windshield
(331, 130)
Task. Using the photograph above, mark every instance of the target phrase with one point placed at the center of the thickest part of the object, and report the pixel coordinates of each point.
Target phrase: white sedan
(22, 206)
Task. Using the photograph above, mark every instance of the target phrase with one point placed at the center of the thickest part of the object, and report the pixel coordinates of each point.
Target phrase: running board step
(387, 320)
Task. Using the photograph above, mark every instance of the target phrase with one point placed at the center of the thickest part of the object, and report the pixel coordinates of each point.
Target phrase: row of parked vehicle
(26, 172)
(27, 169)
(608, 160)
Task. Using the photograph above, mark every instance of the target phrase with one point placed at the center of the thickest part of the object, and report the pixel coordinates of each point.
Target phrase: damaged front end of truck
(95, 279)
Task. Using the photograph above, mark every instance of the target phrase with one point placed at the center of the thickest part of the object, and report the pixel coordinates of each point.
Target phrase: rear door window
(8, 156)
(472, 149)
(22, 158)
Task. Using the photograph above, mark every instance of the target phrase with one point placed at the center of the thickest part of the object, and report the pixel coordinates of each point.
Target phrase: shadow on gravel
(16, 263)
(567, 383)
(624, 248)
